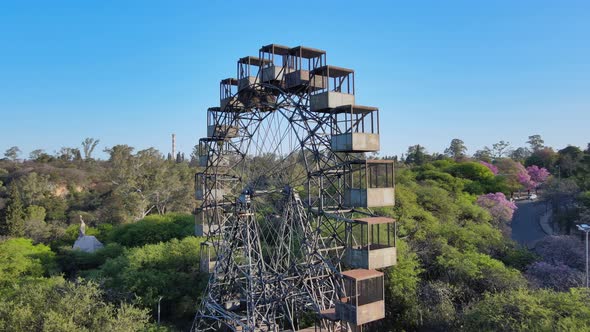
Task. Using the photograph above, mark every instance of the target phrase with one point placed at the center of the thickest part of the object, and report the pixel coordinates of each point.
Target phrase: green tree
(19, 259)
(509, 170)
(14, 217)
(40, 155)
(536, 142)
(36, 154)
(569, 160)
(88, 146)
(169, 269)
(153, 229)
(526, 310)
(33, 188)
(520, 154)
(416, 155)
(145, 183)
(59, 305)
(456, 150)
(500, 149)
(544, 157)
(34, 212)
(479, 271)
(69, 154)
(484, 154)
(402, 282)
(12, 153)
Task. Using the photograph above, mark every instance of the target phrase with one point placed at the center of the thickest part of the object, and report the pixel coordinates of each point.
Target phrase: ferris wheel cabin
(276, 63)
(364, 301)
(370, 243)
(369, 183)
(302, 60)
(210, 188)
(220, 124)
(211, 153)
(337, 88)
(228, 88)
(207, 221)
(248, 68)
(207, 259)
(355, 128)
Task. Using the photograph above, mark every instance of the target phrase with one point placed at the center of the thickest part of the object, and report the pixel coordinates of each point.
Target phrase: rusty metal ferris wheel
(286, 197)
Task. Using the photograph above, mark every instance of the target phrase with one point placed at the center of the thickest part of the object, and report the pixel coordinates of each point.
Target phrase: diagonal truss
(275, 258)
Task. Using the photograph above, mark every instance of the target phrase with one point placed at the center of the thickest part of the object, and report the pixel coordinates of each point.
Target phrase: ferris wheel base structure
(285, 195)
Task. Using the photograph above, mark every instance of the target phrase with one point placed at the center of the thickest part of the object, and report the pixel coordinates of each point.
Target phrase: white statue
(87, 243)
(82, 231)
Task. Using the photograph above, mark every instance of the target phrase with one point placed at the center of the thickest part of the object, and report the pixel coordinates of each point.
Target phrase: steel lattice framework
(285, 197)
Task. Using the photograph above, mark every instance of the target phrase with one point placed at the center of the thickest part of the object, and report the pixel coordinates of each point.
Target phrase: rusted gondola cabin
(207, 259)
(371, 243)
(302, 60)
(337, 91)
(220, 124)
(364, 300)
(208, 221)
(212, 154)
(248, 68)
(228, 99)
(369, 183)
(355, 128)
(276, 63)
(210, 187)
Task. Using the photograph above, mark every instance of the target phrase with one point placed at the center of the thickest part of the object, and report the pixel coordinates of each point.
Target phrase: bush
(169, 269)
(557, 277)
(19, 258)
(525, 310)
(153, 229)
(58, 305)
(72, 262)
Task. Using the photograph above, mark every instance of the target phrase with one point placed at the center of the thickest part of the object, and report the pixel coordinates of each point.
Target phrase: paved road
(525, 222)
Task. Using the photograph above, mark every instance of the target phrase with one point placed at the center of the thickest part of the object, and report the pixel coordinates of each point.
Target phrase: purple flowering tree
(559, 277)
(537, 174)
(498, 206)
(525, 180)
(491, 167)
(562, 249)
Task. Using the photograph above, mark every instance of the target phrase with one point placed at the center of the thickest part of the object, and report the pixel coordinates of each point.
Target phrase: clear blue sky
(134, 72)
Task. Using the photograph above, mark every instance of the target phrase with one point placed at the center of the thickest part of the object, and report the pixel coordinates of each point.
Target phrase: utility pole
(586, 229)
(160, 299)
(173, 146)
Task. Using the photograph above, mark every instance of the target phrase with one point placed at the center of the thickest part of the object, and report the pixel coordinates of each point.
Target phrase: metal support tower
(285, 199)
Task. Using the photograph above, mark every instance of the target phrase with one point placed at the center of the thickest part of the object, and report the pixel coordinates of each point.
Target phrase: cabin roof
(354, 109)
(375, 220)
(253, 60)
(332, 71)
(306, 52)
(361, 274)
(276, 49)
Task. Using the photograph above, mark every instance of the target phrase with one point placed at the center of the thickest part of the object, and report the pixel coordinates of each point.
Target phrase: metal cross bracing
(285, 196)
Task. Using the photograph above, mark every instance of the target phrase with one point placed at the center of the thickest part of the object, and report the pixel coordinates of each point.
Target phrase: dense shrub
(525, 310)
(169, 269)
(58, 305)
(19, 258)
(153, 229)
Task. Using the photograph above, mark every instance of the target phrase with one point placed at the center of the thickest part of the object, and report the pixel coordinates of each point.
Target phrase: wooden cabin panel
(370, 312)
(355, 142)
(330, 99)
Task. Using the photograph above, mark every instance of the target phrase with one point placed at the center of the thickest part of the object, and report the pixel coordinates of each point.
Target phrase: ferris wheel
(285, 200)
